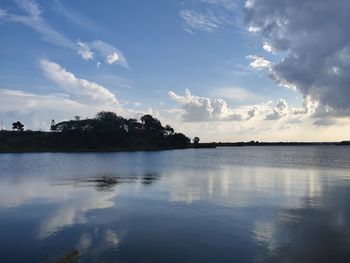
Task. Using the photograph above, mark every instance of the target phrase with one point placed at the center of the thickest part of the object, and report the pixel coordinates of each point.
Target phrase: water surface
(243, 204)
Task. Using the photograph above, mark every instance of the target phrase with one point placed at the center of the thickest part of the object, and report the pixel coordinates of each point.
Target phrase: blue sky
(65, 58)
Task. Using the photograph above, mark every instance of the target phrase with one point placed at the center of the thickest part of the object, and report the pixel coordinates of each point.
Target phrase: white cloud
(258, 62)
(267, 121)
(268, 48)
(253, 29)
(279, 111)
(199, 109)
(309, 107)
(112, 58)
(85, 51)
(81, 87)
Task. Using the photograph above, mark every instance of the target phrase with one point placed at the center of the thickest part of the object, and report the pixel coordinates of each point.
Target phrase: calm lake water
(244, 204)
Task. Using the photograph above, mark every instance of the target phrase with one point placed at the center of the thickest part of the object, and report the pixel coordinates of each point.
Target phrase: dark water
(249, 204)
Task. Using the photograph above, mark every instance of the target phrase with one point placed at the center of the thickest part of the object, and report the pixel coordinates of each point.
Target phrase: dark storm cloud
(314, 35)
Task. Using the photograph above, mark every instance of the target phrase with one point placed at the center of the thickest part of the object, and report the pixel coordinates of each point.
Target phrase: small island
(106, 132)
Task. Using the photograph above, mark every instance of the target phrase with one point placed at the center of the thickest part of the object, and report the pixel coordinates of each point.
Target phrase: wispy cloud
(75, 17)
(84, 51)
(209, 15)
(102, 50)
(228, 4)
(236, 93)
(34, 19)
(201, 21)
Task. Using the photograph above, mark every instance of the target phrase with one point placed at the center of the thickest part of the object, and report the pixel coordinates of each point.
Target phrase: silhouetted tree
(151, 123)
(179, 139)
(169, 130)
(18, 126)
(52, 126)
(134, 125)
(106, 116)
(195, 140)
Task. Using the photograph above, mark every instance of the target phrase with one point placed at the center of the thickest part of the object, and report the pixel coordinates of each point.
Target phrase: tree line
(107, 130)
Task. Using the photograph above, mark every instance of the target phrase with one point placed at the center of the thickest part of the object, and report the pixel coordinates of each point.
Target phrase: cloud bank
(201, 109)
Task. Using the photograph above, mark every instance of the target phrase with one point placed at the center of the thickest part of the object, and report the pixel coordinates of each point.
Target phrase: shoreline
(154, 149)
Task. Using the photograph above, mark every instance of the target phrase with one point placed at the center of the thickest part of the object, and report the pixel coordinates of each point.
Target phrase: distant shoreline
(239, 144)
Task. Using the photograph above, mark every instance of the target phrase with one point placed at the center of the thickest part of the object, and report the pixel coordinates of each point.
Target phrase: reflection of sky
(260, 210)
(240, 186)
(71, 203)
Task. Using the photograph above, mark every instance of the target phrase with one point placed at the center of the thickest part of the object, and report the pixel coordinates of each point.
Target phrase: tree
(18, 126)
(106, 116)
(151, 123)
(169, 130)
(53, 125)
(195, 140)
(179, 139)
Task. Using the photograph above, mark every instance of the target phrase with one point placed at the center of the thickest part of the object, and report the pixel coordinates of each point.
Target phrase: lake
(243, 204)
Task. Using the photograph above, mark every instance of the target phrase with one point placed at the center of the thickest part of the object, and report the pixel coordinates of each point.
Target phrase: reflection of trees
(149, 179)
(106, 183)
(70, 256)
(109, 182)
